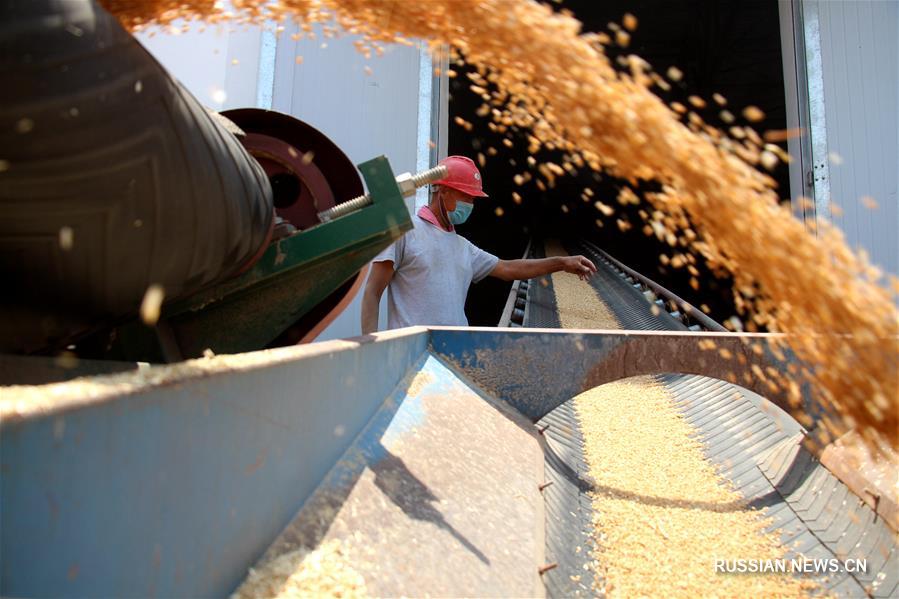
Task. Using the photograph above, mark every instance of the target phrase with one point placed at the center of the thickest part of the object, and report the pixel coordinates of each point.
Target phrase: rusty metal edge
(342, 305)
(89, 391)
(834, 459)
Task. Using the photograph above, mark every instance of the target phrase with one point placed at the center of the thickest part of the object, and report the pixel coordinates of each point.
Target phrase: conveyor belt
(750, 442)
(817, 515)
(569, 524)
(541, 311)
(624, 300)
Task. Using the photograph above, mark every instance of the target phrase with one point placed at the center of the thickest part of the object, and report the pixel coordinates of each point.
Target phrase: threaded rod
(429, 176)
(418, 180)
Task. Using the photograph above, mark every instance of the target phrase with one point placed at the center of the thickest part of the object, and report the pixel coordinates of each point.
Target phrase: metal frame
(174, 480)
(804, 95)
(293, 276)
(817, 124)
(440, 105)
(505, 320)
(683, 305)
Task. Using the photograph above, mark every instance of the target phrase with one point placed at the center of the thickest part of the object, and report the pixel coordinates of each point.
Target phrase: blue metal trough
(174, 480)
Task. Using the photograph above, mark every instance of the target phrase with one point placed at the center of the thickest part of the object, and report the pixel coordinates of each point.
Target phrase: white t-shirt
(433, 269)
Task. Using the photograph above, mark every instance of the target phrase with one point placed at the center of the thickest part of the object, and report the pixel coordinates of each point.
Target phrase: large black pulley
(113, 178)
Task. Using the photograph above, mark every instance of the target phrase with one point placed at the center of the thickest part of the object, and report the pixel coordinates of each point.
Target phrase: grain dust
(323, 572)
(421, 380)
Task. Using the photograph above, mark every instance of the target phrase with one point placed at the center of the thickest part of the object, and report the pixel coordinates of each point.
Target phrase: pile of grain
(578, 304)
(662, 515)
(324, 572)
(538, 71)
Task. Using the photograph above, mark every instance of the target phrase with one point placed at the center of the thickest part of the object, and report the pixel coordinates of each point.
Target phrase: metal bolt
(407, 183)
(544, 485)
(546, 568)
(876, 497)
(542, 429)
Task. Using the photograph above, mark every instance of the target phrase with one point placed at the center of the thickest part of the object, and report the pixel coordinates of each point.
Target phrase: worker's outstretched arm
(378, 279)
(520, 270)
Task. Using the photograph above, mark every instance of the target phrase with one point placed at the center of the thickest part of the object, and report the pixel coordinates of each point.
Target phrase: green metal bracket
(293, 276)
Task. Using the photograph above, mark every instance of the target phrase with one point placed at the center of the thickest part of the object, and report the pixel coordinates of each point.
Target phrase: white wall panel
(368, 107)
(860, 60)
(219, 65)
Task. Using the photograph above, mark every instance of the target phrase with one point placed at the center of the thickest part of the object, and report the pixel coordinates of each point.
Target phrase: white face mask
(461, 213)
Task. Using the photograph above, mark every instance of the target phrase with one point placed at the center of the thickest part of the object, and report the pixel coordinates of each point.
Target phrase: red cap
(462, 175)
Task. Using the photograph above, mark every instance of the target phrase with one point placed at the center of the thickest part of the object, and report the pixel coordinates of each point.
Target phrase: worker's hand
(580, 266)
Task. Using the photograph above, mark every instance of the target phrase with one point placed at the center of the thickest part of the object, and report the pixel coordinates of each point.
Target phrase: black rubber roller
(112, 178)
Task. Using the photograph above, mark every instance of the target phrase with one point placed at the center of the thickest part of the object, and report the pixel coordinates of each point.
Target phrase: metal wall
(219, 65)
(368, 107)
(860, 58)
(841, 72)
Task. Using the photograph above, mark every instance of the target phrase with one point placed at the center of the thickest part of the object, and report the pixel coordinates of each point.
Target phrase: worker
(429, 269)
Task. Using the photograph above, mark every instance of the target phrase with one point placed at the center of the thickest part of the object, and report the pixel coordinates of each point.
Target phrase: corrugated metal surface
(753, 445)
(541, 309)
(625, 300)
(760, 455)
(860, 59)
(568, 508)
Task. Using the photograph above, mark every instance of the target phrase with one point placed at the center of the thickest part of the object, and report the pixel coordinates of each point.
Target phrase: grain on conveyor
(578, 305)
(662, 514)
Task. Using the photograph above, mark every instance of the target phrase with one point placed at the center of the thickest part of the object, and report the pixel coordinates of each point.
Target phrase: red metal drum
(307, 171)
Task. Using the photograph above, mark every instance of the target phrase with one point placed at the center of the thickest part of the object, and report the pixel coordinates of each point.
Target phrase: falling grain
(66, 238)
(24, 125)
(151, 305)
(869, 203)
(753, 114)
(838, 312)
